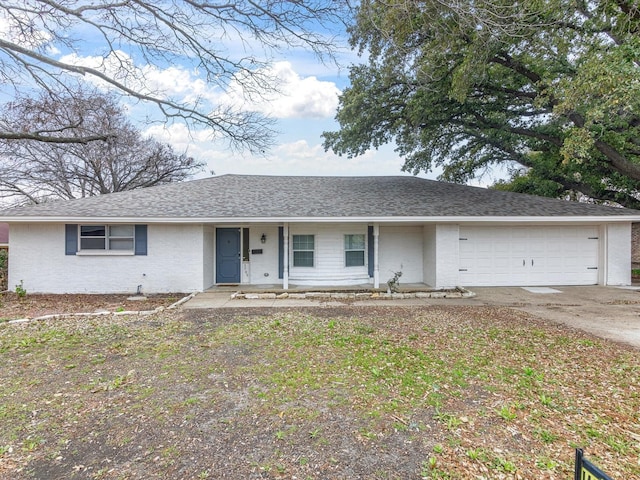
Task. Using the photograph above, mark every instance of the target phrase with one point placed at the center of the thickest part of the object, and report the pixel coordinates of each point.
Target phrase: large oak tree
(551, 88)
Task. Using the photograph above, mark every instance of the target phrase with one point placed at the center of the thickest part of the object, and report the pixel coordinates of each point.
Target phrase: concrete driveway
(608, 312)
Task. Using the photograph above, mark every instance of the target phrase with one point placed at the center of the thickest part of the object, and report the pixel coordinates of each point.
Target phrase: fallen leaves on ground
(351, 392)
(32, 305)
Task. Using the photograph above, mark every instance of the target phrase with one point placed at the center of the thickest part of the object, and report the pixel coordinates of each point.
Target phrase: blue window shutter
(70, 239)
(141, 240)
(370, 248)
(280, 252)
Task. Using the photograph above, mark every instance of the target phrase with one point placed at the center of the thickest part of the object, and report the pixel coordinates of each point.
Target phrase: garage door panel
(542, 255)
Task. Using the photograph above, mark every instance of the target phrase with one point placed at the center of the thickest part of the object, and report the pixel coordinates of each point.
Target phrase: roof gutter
(363, 219)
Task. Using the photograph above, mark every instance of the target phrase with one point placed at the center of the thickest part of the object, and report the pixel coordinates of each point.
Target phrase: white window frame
(363, 249)
(294, 250)
(107, 239)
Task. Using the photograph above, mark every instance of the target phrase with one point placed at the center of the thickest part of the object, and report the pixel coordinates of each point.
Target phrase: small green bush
(20, 290)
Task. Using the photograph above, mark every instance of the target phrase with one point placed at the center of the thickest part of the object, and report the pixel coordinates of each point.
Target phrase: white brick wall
(173, 264)
(208, 256)
(447, 256)
(263, 266)
(618, 254)
(441, 255)
(181, 258)
(401, 249)
(429, 255)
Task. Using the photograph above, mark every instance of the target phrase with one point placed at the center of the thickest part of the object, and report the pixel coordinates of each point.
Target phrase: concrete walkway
(608, 312)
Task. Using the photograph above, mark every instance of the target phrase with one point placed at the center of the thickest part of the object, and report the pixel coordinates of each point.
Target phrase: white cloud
(296, 97)
(178, 134)
(173, 81)
(298, 157)
(24, 28)
(117, 65)
(278, 91)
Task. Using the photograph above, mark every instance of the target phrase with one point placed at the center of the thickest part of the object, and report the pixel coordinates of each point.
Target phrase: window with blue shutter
(101, 237)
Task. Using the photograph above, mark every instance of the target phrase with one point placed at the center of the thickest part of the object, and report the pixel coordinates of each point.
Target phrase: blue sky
(302, 113)
(305, 108)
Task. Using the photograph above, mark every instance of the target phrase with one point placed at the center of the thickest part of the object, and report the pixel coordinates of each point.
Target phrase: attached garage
(529, 255)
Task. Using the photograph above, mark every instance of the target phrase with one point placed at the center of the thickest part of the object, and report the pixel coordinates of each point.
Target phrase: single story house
(315, 231)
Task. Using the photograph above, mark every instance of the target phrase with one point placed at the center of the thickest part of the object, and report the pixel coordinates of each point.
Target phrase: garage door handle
(523, 262)
(532, 262)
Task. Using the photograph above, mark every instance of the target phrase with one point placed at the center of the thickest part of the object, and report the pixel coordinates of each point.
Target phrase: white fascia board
(382, 220)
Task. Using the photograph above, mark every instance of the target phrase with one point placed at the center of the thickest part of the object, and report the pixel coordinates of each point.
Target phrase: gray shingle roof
(249, 196)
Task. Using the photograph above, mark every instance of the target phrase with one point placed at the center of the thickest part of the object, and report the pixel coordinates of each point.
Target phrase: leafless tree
(34, 171)
(41, 42)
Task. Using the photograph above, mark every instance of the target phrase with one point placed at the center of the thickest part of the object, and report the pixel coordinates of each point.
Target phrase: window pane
(303, 242)
(354, 242)
(121, 243)
(121, 231)
(92, 243)
(92, 231)
(303, 259)
(354, 258)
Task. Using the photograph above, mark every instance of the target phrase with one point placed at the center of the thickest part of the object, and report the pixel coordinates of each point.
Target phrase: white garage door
(520, 256)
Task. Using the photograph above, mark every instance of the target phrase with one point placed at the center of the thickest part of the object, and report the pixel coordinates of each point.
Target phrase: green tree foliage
(551, 88)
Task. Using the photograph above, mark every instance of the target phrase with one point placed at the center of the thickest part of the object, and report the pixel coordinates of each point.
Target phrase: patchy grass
(351, 392)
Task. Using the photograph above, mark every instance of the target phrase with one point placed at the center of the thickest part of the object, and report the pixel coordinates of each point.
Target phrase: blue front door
(228, 255)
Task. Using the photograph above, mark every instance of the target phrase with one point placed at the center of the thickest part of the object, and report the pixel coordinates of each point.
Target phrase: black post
(578, 467)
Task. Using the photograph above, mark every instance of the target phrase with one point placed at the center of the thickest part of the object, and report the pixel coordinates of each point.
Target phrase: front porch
(329, 256)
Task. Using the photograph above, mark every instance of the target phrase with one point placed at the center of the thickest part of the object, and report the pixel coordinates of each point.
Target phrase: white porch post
(285, 259)
(376, 266)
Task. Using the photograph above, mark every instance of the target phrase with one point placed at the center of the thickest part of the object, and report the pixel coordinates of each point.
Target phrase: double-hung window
(303, 250)
(107, 237)
(354, 247)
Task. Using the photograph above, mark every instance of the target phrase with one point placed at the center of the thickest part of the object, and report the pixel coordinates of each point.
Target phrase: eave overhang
(363, 219)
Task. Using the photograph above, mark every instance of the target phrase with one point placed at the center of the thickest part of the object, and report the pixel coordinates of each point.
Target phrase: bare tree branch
(36, 170)
(125, 36)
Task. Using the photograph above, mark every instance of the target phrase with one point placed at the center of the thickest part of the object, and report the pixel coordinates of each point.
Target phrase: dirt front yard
(320, 393)
(13, 306)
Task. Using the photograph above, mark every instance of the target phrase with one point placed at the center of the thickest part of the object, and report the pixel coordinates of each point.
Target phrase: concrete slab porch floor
(277, 288)
(608, 312)
(221, 295)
